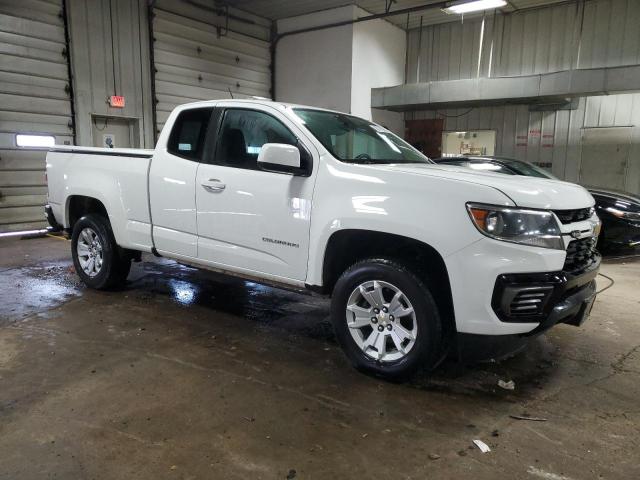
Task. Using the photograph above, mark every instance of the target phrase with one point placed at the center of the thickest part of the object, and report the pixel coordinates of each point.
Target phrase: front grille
(571, 216)
(580, 254)
(529, 301)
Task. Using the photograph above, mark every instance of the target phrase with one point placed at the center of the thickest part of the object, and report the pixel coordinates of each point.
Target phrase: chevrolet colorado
(419, 259)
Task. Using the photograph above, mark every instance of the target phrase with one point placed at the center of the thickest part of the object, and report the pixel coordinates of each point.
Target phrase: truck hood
(524, 191)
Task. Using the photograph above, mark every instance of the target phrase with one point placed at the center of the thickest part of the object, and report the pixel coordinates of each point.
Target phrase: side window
(189, 132)
(242, 135)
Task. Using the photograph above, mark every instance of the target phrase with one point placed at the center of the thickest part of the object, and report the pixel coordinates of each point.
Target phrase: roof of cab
(258, 101)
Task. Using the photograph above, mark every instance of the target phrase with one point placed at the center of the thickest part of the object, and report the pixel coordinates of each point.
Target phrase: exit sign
(116, 101)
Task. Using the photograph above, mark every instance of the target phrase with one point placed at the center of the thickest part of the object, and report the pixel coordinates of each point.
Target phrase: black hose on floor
(623, 257)
(608, 286)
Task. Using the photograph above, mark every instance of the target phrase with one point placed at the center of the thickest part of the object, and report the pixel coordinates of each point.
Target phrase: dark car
(619, 211)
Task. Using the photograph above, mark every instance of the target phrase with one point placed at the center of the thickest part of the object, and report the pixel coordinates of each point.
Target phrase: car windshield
(354, 140)
(528, 169)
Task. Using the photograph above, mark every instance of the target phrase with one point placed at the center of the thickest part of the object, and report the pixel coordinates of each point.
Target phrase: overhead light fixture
(468, 6)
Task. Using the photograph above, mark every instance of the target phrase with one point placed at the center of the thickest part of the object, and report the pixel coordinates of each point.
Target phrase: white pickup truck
(419, 259)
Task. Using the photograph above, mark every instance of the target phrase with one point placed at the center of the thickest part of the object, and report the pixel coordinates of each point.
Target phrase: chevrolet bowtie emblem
(575, 234)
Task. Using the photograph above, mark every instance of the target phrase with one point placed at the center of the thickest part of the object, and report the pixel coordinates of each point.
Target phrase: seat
(234, 149)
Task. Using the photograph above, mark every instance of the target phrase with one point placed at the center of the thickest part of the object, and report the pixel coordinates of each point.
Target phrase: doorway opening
(471, 142)
(114, 132)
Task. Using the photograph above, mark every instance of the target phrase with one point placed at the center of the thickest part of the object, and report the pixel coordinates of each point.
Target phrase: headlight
(537, 228)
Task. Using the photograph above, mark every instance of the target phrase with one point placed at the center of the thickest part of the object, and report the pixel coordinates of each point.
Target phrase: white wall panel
(194, 62)
(34, 98)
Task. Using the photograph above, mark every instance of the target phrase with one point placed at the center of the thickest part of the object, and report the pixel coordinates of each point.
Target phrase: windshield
(528, 169)
(354, 140)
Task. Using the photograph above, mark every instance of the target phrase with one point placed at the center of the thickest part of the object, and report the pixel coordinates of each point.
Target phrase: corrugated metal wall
(110, 56)
(33, 99)
(538, 41)
(197, 58)
(529, 41)
(552, 139)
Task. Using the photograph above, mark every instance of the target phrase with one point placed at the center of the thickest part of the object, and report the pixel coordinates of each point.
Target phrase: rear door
(250, 220)
(172, 178)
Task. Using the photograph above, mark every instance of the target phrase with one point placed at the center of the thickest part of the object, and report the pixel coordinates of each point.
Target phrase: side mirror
(280, 157)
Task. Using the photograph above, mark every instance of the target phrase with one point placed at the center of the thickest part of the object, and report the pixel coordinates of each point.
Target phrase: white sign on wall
(108, 140)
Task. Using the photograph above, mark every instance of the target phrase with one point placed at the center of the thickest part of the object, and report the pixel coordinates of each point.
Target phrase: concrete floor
(189, 375)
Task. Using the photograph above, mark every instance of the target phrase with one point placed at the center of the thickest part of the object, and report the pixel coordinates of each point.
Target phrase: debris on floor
(484, 448)
(510, 385)
(434, 456)
(527, 417)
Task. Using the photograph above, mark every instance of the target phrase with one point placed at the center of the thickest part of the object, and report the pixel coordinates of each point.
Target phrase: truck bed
(115, 176)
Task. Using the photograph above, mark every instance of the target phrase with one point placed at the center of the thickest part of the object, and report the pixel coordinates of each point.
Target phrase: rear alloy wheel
(89, 250)
(385, 319)
(99, 261)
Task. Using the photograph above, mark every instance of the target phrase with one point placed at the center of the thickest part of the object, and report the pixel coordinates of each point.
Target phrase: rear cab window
(189, 132)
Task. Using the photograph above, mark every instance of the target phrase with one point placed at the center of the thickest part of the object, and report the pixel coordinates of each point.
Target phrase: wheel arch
(79, 205)
(346, 247)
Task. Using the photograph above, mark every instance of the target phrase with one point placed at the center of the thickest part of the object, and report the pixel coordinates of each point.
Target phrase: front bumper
(568, 298)
(543, 298)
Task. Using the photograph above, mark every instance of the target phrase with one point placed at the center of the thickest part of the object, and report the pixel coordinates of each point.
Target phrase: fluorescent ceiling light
(39, 141)
(474, 6)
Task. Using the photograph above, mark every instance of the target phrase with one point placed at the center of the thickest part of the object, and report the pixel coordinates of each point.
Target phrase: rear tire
(365, 299)
(98, 260)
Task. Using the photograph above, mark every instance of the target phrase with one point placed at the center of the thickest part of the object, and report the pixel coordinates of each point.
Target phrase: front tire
(386, 319)
(98, 260)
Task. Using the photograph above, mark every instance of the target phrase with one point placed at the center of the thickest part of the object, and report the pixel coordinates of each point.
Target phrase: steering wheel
(363, 156)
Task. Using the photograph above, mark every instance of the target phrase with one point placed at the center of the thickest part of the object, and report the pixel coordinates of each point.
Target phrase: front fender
(428, 209)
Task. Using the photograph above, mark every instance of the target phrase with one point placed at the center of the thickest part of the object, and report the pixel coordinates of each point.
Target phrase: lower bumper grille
(527, 301)
(535, 297)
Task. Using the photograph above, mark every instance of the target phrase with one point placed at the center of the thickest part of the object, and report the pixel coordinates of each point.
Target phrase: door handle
(213, 185)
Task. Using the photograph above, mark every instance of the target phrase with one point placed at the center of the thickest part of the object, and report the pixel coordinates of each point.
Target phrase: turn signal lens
(538, 228)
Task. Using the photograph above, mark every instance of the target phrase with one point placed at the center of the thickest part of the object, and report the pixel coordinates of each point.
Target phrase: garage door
(203, 53)
(34, 103)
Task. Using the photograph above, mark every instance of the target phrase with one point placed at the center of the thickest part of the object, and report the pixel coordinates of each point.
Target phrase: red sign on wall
(116, 101)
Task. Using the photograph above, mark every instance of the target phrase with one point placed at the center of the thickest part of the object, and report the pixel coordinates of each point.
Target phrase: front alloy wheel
(381, 320)
(385, 319)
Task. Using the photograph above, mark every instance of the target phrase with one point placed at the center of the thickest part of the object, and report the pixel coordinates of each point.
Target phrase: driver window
(242, 135)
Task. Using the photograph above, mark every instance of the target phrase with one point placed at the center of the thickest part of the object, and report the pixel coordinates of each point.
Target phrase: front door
(250, 220)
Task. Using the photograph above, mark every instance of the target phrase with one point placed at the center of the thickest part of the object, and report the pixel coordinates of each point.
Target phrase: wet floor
(187, 374)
